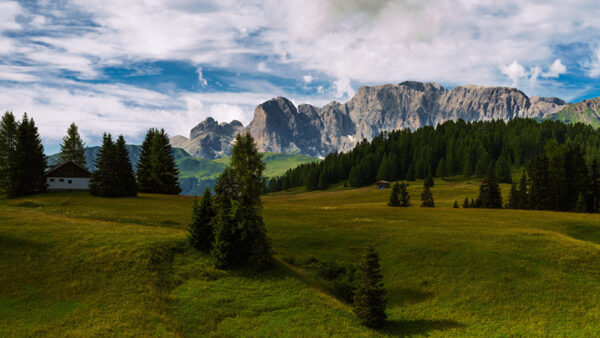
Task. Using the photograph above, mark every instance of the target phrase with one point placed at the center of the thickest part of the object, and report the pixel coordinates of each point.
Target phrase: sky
(125, 66)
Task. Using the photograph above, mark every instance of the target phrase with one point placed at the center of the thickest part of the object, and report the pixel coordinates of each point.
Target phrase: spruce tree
(580, 203)
(240, 234)
(427, 197)
(72, 147)
(8, 143)
(441, 169)
(323, 180)
(489, 192)
(395, 196)
(594, 186)
(404, 196)
(455, 206)
(369, 298)
(103, 179)
(502, 169)
(428, 181)
(466, 203)
(410, 174)
(124, 184)
(144, 165)
(28, 163)
(201, 234)
(523, 194)
(513, 197)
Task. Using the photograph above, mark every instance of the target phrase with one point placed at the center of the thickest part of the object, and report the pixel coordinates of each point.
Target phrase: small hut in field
(68, 176)
(382, 184)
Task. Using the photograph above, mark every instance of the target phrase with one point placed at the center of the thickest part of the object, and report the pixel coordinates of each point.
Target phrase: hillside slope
(586, 111)
(79, 265)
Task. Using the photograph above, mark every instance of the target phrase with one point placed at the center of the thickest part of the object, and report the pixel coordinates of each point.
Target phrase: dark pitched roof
(60, 165)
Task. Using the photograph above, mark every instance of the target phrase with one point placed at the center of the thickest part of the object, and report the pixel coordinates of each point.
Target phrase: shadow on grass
(403, 328)
(400, 296)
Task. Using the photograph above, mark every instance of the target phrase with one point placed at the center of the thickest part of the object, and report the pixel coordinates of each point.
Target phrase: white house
(68, 176)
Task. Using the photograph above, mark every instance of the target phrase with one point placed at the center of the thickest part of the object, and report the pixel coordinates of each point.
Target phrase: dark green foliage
(114, 174)
(8, 143)
(503, 172)
(156, 169)
(395, 196)
(455, 206)
(323, 180)
(522, 198)
(24, 170)
(466, 203)
(72, 147)
(388, 168)
(410, 174)
(239, 231)
(404, 196)
(369, 297)
(427, 197)
(539, 193)
(441, 170)
(428, 181)
(489, 192)
(513, 197)
(201, 234)
(580, 205)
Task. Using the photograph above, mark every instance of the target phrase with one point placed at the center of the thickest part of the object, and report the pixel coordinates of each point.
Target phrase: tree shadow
(400, 296)
(403, 328)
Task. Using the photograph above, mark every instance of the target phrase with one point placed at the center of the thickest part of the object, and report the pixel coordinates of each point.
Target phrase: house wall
(77, 183)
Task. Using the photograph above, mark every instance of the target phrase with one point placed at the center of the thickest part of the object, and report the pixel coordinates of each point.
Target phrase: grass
(79, 265)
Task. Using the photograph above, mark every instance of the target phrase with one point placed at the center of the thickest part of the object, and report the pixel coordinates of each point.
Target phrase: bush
(330, 270)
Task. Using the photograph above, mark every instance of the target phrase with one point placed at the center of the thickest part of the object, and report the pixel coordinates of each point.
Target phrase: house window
(61, 180)
(51, 180)
(70, 181)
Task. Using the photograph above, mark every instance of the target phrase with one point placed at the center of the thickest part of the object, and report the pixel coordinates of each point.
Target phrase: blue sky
(125, 66)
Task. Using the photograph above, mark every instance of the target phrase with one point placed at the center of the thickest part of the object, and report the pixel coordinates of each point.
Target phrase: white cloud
(535, 73)
(593, 67)
(556, 69)
(201, 78)
(343, 89)
(514, 71)
(262, 67)
(307, 78)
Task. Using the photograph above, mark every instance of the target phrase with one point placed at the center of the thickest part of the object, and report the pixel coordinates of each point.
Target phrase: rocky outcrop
(209, 139)
(278, 126)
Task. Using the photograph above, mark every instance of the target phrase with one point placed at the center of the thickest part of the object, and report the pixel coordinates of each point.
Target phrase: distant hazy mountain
(279, 126)
(586, 111)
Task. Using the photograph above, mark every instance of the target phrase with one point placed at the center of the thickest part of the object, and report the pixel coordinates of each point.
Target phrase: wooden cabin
(382, 184)
(68, 176)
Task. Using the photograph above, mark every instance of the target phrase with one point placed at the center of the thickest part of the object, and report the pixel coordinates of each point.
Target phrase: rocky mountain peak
(278, 126)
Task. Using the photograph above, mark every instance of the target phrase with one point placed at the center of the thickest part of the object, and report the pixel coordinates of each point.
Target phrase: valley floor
(77, 265)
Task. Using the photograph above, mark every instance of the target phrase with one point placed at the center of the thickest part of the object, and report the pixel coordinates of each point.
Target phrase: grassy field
(79, 265)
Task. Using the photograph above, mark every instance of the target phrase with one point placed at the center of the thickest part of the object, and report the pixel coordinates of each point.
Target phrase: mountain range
(279, 126)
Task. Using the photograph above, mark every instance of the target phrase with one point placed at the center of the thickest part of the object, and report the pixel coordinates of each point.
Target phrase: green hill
(586, 111)
(76, 265)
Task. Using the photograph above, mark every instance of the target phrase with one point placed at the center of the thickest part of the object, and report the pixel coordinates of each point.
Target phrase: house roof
(60, 165)
(382, 181)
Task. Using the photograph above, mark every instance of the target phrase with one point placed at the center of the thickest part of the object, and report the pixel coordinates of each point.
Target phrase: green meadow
(76, 265)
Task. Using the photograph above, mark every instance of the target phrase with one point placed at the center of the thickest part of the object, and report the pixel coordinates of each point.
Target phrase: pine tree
(28, 163)
(201, 234)
(513, 197)
(522, 198)
(472, 204)
(395, 196)
(323, 180)
(125, 184)
(240, 234)
(489, 192)
(72, 147)
(8, 142)
(539, 184)
(502, 169)
(410, 174)
(466, 203)
(455, 205)
(427, 197)
(404, 196)
(580, 203)
(369, 298)
(595, 186)
(441, 169)
(103, 180)
(144, 165)
(428, 181)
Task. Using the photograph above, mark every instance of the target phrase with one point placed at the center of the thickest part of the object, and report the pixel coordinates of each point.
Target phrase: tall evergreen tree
(240, 234)
(489, 192)
(428, 181)
(594, 186)
(427, 197)
(539, 196)
(466, 203)
(395, 196)
(523, 193)
(404, 196)
(125, 184)
(455, 206)
(144, 166)
(103, 180)
(441, 170)
(410, 174)
(369, 298)
(72, 147)
(323, 180)
(8, 143)
(27, 167)
(513, 197)
(201, 234)
(502, 169)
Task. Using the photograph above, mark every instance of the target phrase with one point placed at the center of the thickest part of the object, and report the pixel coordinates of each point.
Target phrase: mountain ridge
(280, 126)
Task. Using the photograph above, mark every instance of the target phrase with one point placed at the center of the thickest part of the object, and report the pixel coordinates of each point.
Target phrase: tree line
(23, 163)
(452, 148)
